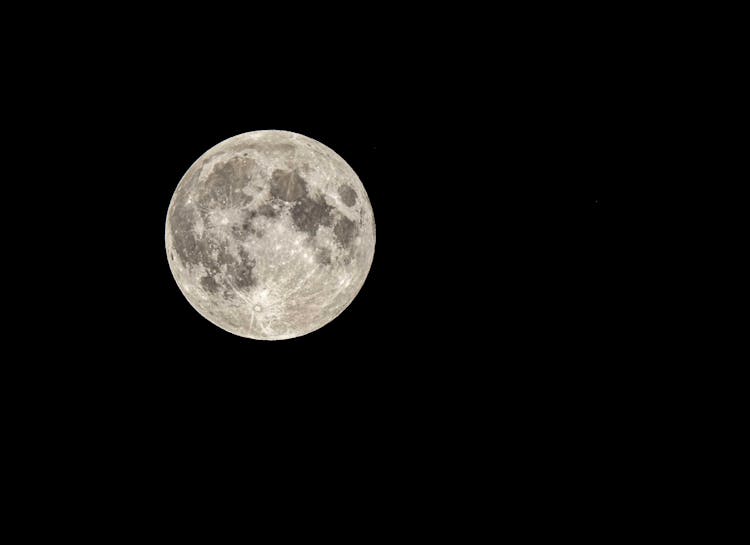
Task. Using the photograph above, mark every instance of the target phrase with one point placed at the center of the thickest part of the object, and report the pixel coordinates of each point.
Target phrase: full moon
(270, 235)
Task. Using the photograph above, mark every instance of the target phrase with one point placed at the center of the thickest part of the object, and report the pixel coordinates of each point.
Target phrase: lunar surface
(270, 235)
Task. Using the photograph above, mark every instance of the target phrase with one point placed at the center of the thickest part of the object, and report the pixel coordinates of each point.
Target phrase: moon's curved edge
(218, 148)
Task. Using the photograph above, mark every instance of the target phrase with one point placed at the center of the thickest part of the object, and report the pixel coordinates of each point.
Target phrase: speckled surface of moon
(270, 235)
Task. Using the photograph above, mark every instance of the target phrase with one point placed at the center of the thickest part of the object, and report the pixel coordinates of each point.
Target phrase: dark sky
(492, 208)
(492, 167)
(494, 161)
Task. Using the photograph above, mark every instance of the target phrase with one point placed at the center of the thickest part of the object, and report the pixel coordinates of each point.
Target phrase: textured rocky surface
(270, 235)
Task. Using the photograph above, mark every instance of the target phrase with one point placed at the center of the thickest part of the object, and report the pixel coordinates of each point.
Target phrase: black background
(508, 357)
(493, 159)
(488, 211)
(489, 279)
(492, 162)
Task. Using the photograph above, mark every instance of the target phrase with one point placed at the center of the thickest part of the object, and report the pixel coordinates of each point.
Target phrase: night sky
(495, 160)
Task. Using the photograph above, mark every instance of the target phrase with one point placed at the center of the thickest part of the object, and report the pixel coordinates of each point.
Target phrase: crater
(345, 230)
(287, 185)
(347, 194)
(308, 214)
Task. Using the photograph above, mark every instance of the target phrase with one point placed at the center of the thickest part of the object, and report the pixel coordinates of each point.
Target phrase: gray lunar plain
(270, 235)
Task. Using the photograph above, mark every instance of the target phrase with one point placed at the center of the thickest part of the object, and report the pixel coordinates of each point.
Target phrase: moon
(270, 235)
